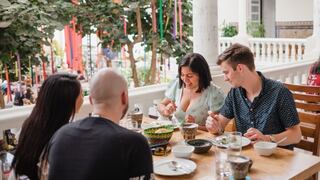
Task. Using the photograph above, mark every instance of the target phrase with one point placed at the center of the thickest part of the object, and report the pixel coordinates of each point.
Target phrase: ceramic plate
(162, 167)
(245, 141)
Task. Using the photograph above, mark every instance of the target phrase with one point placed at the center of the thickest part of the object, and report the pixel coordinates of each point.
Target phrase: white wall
(294, 10)
(227, 11)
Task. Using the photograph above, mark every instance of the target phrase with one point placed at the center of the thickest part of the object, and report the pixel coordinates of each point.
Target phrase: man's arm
(292, 135)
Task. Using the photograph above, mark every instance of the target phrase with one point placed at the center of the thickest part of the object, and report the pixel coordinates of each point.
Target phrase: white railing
(297, 73)
(272, 50)
(224, 43)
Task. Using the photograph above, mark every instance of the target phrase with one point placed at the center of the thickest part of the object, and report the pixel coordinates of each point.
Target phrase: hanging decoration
(16, 69)
(9, 96)
(180, 21)
(73, 46)
(44, 74)
(37, 75)
(160, 20)
(124, 25)
(154, 17)
(52, 60)
(175, 20)
(30, 71)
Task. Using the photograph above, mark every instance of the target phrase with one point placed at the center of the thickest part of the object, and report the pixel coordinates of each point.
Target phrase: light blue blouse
(211, 99)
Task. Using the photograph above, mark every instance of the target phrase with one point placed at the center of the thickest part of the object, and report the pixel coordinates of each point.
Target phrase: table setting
(230, 155)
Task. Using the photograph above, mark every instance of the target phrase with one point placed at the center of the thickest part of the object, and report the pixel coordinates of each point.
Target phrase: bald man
(97, 147)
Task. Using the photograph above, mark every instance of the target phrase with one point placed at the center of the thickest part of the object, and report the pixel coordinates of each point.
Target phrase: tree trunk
(151, 75)
(2, 104)
(133, 65)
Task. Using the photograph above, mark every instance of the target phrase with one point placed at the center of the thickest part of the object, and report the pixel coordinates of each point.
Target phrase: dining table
(282, 164)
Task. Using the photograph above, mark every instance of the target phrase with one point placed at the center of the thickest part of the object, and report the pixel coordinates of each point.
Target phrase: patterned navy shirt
(271, 112)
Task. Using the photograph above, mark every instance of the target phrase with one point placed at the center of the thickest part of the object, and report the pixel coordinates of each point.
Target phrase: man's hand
(212, 123)
(190, 119)
(255, 135)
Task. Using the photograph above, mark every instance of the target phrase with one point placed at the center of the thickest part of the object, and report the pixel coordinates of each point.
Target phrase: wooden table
(283, 164)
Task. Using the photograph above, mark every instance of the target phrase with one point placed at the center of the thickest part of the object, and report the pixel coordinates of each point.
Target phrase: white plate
(162, 167)
(245, 141)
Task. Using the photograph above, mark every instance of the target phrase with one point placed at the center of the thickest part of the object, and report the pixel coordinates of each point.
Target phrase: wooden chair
(307, 100)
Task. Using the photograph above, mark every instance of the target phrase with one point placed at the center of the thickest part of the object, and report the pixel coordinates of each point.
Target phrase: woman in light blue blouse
(192, 95)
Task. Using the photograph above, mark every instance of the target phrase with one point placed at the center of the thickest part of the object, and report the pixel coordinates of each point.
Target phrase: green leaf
(5, 3)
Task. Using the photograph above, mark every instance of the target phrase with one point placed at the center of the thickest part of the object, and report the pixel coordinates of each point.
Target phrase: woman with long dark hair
(192, 94)
(60, 97)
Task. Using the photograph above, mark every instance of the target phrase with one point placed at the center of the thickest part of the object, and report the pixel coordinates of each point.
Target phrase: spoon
(175, 166)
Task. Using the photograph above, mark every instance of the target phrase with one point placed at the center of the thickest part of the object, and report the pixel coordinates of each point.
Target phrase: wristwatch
(272, 138)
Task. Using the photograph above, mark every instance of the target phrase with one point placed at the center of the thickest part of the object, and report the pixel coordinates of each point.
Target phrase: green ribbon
(160, 20)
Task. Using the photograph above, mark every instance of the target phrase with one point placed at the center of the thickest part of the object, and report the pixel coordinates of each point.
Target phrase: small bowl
(155, 137)
(182, 151)
(264, 148)
(200, 145)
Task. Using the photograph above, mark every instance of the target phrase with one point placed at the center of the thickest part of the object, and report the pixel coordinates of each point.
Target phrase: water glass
(133, 125)
(222, 167)
(234, 143)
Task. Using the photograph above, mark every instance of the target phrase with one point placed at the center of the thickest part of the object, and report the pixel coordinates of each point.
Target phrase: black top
(97, 148)
(271, 112)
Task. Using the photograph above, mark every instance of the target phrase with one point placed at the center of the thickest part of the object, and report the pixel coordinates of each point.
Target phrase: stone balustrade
(273, 51)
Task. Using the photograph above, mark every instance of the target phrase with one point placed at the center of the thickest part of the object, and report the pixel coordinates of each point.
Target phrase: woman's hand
(189, 119)
(169, 109)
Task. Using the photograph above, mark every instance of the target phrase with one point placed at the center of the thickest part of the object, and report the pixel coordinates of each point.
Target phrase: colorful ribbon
(160, 20)
(175, 20)
(124, 26)
(180, 21)
(154, 17)
(9, 96)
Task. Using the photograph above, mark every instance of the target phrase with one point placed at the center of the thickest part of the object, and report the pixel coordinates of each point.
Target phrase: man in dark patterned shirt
(263, 109)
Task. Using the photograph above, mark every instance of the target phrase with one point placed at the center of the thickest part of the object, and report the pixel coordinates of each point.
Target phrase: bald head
(106, 87)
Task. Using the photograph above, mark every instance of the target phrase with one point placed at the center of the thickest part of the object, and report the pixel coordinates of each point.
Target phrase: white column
(313, 42)
(242, 36)
(242, 17)
(316, 18)
(205, 30)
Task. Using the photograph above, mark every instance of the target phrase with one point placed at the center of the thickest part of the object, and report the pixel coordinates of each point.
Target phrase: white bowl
(265, 148)
(182, 151)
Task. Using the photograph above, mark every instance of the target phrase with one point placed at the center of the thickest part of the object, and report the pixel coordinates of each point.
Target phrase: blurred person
(314, 74)
(59, 98)
(263, 109)
(192, 94)
(97, 147)
(28, 96)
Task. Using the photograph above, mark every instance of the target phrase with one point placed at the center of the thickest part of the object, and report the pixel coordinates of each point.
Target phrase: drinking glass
(221, 165)
(133, 125)
(234, 143)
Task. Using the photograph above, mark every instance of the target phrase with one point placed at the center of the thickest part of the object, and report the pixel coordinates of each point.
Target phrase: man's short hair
(237, 54)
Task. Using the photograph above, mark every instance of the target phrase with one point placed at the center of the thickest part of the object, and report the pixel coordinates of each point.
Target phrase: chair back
(307, 100)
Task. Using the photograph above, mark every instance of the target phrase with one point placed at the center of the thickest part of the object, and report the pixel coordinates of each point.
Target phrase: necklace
(95, 115)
